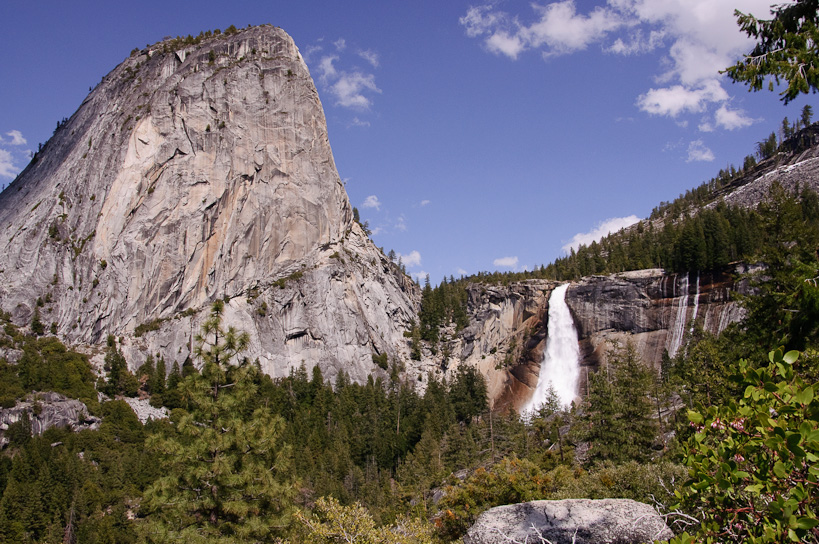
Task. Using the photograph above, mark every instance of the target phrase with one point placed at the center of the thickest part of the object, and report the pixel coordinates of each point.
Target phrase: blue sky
(472, 136)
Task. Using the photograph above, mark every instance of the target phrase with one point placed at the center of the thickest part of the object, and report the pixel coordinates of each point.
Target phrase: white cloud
(481, 20)
(732, 119)
(309, 51)
(637, 43)
(326, 69)
(424, 203)
(501, 42)
(562, 30)
(698, 152)
(356, 122)
(401, 224)
(461, 272)
(370, 56)
(606, 227)
(7, 168)
(672, 101)
(558, 28)
(411, 259)
(350, 86)
(16, 138)
(506, 262)
(349, 90)
(371, 202)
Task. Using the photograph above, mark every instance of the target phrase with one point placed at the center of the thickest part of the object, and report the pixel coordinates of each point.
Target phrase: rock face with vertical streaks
(652, 310)
(193, 173)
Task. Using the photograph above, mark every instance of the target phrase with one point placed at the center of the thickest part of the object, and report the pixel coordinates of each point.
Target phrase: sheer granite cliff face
(197, 174)
(652, 310)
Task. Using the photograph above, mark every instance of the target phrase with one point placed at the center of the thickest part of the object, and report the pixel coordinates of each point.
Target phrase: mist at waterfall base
(560, 369)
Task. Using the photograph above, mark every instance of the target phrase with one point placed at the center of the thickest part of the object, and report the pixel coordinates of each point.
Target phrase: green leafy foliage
(444, 305)
(333, 523)
(510, 481)
(785, 49)
(513, 480)
(753, 462)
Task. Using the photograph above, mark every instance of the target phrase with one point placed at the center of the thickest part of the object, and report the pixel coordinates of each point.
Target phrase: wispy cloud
(356, 122)
(672, 101)
(370, 56)
(424, 203)
(698, 152)
(606, 227)
(506, 262)
(350, 88)
(732, 119)
(341, 74)
(557, 29)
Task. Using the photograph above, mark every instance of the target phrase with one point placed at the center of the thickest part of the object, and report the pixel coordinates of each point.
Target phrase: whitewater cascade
(679, 321)
(560, 368)
(696, 304)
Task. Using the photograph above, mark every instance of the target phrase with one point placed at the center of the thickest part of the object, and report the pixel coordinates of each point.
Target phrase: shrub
(381, 360)
(753, 461)
(148, 326)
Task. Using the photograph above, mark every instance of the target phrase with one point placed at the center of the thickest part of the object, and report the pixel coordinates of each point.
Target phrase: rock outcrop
(144, 411)
(47, 410)
(570, 521)
(193, 173)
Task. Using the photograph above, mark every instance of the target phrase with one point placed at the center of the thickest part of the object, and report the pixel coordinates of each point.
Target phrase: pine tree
(784, 52)
(807, 115)
(120, 380)
(227, 473)
(619, 410)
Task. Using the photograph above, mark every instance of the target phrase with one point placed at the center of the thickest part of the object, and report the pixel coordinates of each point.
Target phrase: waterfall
(560, 368)
(679, 320)
(696, 304)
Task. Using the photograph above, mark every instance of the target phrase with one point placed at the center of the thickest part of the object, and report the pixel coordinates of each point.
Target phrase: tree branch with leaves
(786, 50)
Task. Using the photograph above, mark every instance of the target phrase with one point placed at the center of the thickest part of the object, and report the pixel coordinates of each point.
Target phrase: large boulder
(578, 521)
